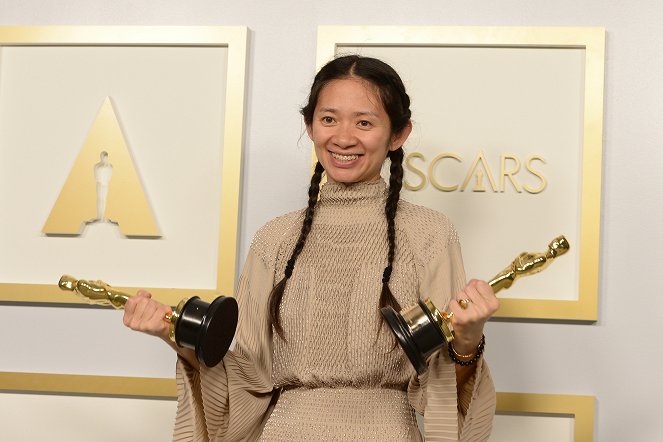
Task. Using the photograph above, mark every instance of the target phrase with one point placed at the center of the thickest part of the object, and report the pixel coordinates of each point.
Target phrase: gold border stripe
(231, 174)
(88, 384)
(580, 407)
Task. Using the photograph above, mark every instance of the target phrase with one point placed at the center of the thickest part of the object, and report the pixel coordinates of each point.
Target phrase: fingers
(142, 313)
(132, 303)
(143, 294)
(471, 308)
(478, 296)
(486, 295)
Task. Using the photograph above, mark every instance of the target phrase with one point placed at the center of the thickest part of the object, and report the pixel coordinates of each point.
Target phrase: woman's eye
(364, 123)
(327, 120)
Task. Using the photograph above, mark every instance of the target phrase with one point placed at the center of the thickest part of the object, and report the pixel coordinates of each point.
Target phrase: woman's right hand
(144, 314)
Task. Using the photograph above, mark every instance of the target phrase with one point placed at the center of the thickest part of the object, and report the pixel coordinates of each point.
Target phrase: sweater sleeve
(448, 416)
(230, 402)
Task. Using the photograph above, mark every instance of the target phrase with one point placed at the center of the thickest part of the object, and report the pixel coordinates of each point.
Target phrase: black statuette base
(418, 341)
(207, 328)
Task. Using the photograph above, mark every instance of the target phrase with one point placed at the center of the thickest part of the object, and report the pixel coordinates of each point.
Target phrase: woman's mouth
(339, 157)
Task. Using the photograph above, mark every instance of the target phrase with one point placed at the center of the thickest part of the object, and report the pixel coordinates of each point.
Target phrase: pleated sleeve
(448, 416)
(230, 402)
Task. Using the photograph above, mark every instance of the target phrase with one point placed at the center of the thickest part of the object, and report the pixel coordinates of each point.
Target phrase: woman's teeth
(344, 157)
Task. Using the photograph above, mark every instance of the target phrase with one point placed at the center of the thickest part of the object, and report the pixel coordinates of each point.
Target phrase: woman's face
(351, 131)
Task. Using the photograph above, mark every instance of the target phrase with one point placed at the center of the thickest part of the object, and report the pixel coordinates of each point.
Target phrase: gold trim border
(49, 383)
(580, 407)
(331, 38)
(235, 38)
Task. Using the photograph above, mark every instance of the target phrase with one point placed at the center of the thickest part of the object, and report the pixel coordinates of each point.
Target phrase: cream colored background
(513, 428)
(80, 418)
(615, 359)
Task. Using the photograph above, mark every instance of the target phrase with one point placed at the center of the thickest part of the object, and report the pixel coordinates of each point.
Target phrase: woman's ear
(398, 139)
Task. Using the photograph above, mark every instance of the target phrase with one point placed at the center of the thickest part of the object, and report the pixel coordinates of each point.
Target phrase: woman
(313, 358)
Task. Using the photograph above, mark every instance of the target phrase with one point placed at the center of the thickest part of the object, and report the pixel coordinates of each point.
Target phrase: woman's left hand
(480, 304)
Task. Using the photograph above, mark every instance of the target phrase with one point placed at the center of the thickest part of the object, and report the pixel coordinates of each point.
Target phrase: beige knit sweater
(337, 376)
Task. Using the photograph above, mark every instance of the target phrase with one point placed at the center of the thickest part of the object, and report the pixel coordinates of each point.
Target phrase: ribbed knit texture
(337, 375)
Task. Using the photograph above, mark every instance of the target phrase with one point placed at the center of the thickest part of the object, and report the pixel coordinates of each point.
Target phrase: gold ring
(168, 316)
(464, 303)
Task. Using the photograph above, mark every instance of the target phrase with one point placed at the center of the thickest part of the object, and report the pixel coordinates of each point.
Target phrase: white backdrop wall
(617, 359)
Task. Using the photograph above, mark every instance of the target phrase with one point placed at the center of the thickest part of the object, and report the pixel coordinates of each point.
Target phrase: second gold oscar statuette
(421, 329)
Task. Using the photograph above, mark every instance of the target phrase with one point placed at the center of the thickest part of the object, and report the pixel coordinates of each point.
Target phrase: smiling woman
(351, 131)
(313, 359)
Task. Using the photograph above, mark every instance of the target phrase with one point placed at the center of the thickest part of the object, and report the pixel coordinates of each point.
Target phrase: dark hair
(396, 103)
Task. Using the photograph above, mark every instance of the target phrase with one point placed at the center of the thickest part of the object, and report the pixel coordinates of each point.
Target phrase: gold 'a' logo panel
(103, 186)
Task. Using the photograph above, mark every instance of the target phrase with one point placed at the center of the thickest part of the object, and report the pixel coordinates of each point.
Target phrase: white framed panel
(507, 143)
(79, 418)
(178, 94)
(526, 428)
(81, 407)
(544, 417)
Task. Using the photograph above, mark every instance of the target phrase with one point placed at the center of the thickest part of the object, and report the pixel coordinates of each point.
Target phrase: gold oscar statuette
(422, 329)
(208, 329)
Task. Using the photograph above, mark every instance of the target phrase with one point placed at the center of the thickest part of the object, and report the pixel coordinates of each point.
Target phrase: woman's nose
(344, 136)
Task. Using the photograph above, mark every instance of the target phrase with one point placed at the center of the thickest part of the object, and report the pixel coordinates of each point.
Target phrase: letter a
(103, 185)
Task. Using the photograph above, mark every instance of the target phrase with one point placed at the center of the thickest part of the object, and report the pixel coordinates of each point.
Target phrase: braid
(387, 299)
(277, 292)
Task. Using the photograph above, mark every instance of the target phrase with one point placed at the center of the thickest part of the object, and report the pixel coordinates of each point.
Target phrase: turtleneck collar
(363, 193)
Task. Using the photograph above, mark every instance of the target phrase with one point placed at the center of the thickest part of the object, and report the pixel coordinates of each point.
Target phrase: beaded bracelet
(454, 356)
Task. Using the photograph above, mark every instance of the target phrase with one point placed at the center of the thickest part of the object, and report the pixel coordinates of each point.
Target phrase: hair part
(389, 87)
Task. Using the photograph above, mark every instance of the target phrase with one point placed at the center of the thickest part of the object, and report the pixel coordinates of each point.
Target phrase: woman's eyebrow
(362, 113)
(333, 110)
